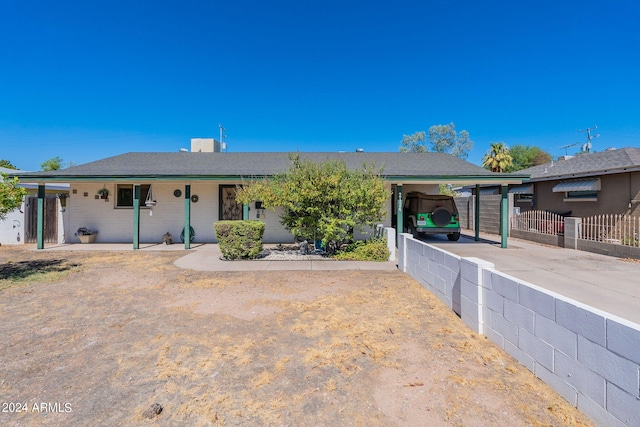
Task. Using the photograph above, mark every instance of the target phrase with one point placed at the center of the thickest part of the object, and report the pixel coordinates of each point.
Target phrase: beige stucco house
(606, 182)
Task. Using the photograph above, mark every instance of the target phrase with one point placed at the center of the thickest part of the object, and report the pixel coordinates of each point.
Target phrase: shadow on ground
(24, 269)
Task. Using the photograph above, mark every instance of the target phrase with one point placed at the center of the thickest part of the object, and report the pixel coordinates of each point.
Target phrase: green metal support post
(504, 216)
(399, 219)
(136, 216)
(187, 216)
(40, 220)
(245, 212)
(476, 212)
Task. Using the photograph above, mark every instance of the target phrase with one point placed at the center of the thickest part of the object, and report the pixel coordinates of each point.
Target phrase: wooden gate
(50, 219)
(229, 208)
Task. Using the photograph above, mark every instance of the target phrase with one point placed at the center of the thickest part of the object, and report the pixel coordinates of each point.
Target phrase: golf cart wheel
(453, 237)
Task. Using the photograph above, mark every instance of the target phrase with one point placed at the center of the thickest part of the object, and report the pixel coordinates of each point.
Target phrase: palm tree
(498, 158)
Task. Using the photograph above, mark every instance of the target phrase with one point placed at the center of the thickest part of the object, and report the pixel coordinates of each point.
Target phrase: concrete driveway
(606, 283)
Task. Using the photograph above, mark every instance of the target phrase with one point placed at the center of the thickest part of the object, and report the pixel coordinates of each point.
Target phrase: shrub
(365, 250)
(239, 239)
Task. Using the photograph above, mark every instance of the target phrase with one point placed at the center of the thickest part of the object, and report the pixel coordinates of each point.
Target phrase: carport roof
(400, 167)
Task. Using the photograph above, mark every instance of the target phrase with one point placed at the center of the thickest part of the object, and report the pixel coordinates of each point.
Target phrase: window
(524, 198)
(581, 196)
(124, 195)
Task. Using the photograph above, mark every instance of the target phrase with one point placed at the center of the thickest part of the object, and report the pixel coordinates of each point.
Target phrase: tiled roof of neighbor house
(594, 164)
(187, 165)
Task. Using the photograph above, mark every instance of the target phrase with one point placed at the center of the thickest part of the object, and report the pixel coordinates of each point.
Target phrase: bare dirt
(99, 338)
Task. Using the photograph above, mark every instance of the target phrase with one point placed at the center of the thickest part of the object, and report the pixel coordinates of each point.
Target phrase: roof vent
(359, 150)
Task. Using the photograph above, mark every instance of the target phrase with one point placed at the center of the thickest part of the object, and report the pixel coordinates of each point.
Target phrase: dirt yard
(99, 338)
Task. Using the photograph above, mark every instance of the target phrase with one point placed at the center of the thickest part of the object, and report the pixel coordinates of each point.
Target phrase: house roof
(584, 165)
(219, 166)
(32, 186)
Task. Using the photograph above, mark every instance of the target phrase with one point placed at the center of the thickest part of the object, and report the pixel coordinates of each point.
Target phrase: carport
(503, 180)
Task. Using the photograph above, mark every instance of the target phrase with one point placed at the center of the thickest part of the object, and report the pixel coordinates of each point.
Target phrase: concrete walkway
(607, 283)
(206, 257)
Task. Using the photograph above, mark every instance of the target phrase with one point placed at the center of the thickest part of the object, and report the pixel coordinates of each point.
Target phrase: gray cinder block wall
(590, 357)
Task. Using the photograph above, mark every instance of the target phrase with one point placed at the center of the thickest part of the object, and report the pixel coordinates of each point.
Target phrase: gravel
(289, 253)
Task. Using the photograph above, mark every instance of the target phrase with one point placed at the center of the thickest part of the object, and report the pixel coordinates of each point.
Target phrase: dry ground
(100, 337)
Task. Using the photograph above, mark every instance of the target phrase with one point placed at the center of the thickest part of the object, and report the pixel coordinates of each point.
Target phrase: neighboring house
(20, 225)
(196, 189)
(606, 182)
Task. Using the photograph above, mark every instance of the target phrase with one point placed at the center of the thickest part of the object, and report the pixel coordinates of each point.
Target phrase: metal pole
(40, 220)
(399, 219)
(504, 216)
(136, 216)
(476, 212)
(187, 216)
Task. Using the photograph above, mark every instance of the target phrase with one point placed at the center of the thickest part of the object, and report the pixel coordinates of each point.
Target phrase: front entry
(229, 208)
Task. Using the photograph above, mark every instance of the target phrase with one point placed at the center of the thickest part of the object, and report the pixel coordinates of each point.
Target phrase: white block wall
(590, 357)
(12, 227)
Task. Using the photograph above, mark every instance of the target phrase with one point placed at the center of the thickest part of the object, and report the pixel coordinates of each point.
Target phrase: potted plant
(103, 193)
(86, 235)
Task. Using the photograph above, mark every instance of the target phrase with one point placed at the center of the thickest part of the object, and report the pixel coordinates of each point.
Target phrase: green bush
(239, 239)
(365, 250)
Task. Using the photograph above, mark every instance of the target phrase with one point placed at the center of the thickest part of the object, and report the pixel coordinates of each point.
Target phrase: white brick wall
(590, 357)
(116, 224)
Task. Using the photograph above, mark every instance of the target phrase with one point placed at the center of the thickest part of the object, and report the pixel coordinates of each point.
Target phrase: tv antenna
(586, 148)
(566, 147)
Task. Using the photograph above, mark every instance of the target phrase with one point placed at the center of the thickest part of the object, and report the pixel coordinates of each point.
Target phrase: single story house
(139, 196)
(20, 225)
(606, 182)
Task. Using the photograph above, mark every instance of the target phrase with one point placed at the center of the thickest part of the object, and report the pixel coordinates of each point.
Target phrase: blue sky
(86, 80)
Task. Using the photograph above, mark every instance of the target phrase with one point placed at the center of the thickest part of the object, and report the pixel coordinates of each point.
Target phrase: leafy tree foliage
(498, 158)
(447, 190)
(445, 139)
(526, 156)
(442, 138)
(53, 164)
(414, 143)
(7, 164)
(322, 200)
(10, 195)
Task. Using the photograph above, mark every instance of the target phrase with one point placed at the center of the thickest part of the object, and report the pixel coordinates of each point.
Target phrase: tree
(444, 139)
(414, 143)
(10, 195)
(322, 200)
(526, 156)
(7, 164)
(447, 190)
(53, 164)
(498, 158)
